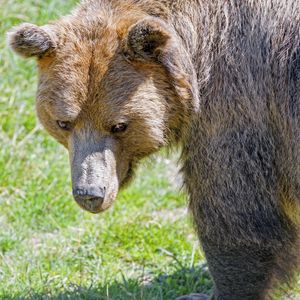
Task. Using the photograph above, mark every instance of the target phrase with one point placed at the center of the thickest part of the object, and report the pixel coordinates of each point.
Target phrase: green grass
(143, 248)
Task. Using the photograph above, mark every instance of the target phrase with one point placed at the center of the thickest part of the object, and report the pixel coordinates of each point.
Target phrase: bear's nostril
(80, 192)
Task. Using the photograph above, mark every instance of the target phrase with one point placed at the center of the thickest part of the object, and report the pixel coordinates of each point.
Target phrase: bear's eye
(65, 125)
(121, 127)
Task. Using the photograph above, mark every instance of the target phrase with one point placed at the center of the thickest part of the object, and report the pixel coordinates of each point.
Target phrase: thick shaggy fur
(221, 78)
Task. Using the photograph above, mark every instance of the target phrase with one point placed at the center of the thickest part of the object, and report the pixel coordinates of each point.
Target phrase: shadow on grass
(163, 287)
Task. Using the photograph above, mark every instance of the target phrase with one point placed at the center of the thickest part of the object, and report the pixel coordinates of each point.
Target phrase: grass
(143, 248)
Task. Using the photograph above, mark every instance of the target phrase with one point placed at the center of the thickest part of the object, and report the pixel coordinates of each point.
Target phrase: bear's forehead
(88, 66)
(80, 44)
(77, 67)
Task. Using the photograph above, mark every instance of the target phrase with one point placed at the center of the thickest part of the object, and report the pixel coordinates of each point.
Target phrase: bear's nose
(89, 197)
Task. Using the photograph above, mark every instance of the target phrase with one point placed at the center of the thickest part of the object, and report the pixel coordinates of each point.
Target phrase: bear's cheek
(144, 140)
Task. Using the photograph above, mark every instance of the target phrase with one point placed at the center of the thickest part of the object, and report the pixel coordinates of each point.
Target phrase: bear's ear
(30, 40)
(148, 39)
(152, 40)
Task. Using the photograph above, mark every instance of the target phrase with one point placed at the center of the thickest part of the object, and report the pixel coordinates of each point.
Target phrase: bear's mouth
(129, 176)
(97, 205)
(93, 205)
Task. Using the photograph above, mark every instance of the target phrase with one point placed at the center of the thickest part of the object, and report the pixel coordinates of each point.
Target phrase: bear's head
(112, 90)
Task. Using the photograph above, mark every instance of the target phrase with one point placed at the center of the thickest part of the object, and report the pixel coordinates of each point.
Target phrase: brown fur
(221, 78)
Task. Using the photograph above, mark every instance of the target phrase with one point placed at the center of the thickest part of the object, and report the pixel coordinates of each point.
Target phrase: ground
(143, 248)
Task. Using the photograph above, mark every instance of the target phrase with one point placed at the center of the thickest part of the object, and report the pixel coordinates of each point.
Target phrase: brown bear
(120, 79)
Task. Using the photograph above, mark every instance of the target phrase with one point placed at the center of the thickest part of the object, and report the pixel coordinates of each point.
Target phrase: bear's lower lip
(94, 205)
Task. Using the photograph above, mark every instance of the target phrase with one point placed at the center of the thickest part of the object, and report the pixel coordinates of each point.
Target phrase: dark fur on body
(242, 160)
(231, 77)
